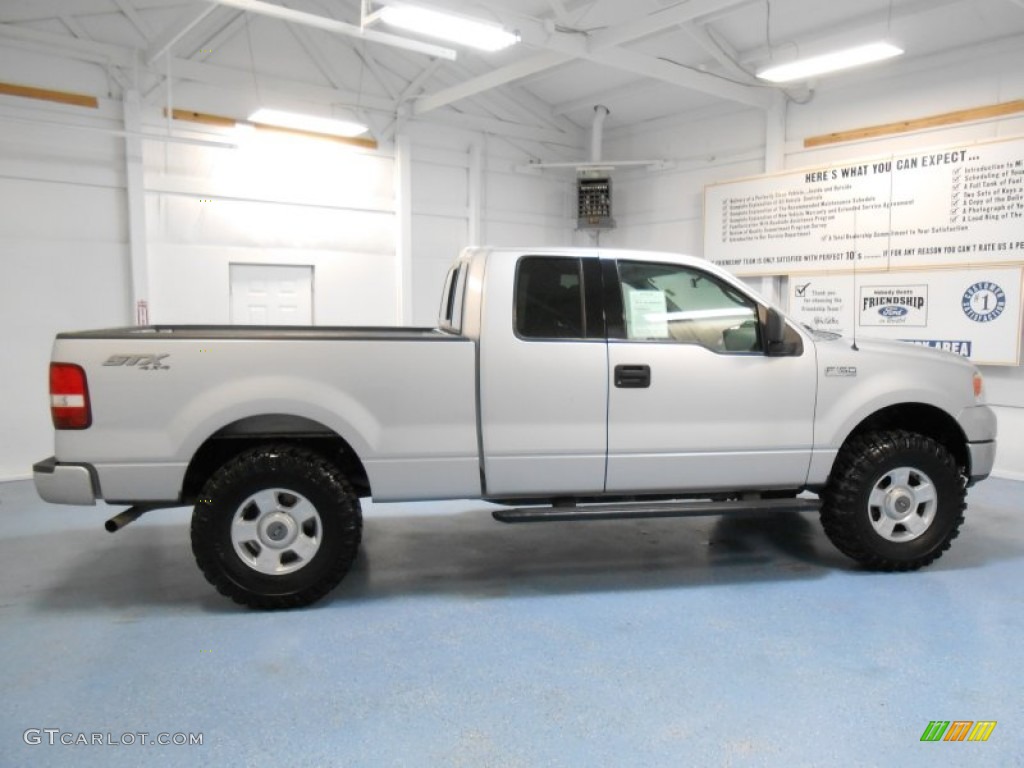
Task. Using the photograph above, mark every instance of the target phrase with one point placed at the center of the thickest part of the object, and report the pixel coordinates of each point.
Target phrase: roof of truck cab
(601, 253)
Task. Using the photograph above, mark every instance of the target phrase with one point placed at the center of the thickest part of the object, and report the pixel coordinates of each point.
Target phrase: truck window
(667, 302)
(549, 298)
(449, 301)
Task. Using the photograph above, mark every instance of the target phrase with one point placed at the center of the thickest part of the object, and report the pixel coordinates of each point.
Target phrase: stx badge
(144, 362)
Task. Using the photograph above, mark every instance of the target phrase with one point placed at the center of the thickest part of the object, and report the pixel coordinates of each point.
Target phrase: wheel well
(923, 419)
(253, 431)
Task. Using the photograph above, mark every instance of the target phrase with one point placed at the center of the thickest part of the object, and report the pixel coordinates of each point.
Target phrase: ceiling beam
(74, 27)
(83, 50)
(410, 91)
(202, 47)
(338, 27)
(371, 63)
(603, 47)
(660, 21)
(137, 21)
(854, 27)
(234, 79)
(607, 96)
(558, 8)
(684, 77)
(477, 85)
(504, 128)
(330, 70)
(40, 10)
(525, 104)
(327, 68)
(419, 81)
(499, 104)
(185, 23)
(506, 115)
(719, 49)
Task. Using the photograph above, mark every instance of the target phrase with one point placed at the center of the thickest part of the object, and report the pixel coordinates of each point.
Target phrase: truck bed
(263, 332)
(404, 399)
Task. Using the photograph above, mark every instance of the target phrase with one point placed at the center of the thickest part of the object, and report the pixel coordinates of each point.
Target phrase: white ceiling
(643, 59)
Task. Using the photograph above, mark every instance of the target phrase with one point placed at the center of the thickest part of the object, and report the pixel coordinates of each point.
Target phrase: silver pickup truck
(565, 384)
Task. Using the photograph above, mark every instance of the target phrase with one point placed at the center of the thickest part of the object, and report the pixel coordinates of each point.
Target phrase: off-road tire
(861, 468)
(291, 472)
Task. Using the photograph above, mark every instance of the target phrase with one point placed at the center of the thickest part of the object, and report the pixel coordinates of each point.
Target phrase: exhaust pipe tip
(130, 515)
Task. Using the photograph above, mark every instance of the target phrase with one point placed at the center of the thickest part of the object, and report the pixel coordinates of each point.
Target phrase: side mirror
(775, 335)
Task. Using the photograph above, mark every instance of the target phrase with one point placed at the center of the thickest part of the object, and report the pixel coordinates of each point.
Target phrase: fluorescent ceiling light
(801, 69)
(446, 26)
(308, 123)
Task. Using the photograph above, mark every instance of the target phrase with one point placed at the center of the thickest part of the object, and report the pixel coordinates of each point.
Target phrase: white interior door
(271, 294)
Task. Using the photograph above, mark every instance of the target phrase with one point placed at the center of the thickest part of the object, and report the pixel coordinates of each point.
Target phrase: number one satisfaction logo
(958, 730)
(983, 302)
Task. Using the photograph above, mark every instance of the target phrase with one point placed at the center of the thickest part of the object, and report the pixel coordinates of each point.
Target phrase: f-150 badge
(841, 370)
(144, 362)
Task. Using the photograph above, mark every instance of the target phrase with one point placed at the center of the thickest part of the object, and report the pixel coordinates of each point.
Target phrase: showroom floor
(458, 641)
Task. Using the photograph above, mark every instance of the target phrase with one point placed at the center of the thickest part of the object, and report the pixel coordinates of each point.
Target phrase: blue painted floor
(458, 641)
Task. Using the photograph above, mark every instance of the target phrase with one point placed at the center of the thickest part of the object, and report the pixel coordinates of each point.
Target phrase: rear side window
(449, 302)
(549, 298)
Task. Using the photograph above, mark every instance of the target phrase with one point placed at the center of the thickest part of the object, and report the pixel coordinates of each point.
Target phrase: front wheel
(895, 500)
(276, 527)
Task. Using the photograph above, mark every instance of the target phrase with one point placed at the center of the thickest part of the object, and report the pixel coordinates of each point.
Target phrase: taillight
(69, 397)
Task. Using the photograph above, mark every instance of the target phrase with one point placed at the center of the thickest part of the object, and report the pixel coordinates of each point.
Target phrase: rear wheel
(895, 500)
(276, 527)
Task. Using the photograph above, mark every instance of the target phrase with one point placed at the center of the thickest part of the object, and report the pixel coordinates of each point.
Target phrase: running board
(640, 510)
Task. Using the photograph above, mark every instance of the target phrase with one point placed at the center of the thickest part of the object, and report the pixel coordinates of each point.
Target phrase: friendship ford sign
(975, 312)
(903, 305)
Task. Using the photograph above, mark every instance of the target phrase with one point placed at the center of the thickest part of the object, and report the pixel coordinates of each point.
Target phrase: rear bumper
(61, 483)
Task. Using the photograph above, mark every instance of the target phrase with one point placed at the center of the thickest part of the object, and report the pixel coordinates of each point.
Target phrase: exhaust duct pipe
(597, 132)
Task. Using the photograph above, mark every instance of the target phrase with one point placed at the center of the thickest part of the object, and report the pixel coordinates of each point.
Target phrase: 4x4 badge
(145, 362)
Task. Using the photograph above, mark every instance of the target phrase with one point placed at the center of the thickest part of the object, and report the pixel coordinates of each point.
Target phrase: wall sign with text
(976, 313)
(937, 208)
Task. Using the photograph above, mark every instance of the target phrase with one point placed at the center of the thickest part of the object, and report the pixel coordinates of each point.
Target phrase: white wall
(274, 199)
(513, 207)
(291, 200)
(664, 210)
(64, 247)
(63, 261)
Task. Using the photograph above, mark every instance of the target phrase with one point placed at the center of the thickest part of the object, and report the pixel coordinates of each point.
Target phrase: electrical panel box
(594, 200)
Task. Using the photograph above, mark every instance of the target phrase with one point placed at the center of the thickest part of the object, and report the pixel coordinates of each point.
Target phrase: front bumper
(979, 425)
(61, 483)
(983, 456)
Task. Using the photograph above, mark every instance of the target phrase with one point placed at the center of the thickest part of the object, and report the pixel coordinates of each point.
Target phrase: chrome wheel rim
(276, 531)
(902, 504)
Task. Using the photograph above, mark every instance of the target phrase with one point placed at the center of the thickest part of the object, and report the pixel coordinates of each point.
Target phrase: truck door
(695, 403)
(543, 377)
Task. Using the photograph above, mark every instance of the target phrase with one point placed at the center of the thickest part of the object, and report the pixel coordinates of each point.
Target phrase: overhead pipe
(597, 132)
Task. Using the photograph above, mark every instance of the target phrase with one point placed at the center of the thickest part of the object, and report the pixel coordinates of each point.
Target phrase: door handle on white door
(632, 376)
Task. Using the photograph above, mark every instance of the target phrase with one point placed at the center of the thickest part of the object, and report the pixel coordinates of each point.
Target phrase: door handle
(632, 376)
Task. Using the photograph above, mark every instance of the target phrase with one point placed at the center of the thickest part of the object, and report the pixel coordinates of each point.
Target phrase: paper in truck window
(648, 316)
